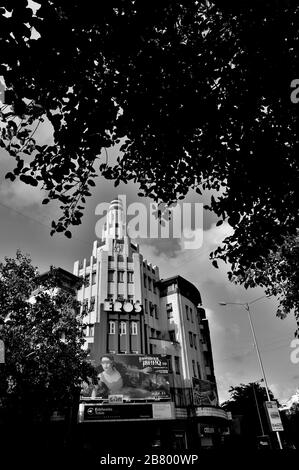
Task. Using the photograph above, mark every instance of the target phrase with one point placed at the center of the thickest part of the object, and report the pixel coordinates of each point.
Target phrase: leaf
(10, 176)
(27, 179)
(215, 264)
(68, 234)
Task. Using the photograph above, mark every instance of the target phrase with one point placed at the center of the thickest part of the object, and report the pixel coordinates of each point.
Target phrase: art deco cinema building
(131, 310)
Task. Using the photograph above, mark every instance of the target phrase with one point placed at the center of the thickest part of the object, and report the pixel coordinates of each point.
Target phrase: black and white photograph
(149, 233)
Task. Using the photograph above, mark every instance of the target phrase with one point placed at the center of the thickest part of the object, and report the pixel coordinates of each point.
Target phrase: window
(149, 284)
(110, 258)
(84, 305)
(130, 277)
(134, 329)
(193, 367)
(152, 332)
(144, 280)
(154, 287)
(110, 276)
(87, 280)
(171, 288)
(191, 314)
(110, 296)
(187, 312)
(146, 306)
(92, 302)
(151, 308)
(90, 330)
(131, 298)
(177, 364)
(169, 311)
(191, 339)
(169, 363)
(120, 258)
(123, 328)
(120, 276)
(198, 371)
(112, 328)
(194, 341)
(94, 278)
(172, 336)
(156, 311)
(158, 334)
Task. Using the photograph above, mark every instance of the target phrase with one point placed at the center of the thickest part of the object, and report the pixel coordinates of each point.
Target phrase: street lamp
(247, 308)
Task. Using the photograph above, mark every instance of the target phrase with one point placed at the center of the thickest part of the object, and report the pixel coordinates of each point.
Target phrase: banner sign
(273, 415)
(128, 377)
(111, 412)
(101, 412)
(204, 393)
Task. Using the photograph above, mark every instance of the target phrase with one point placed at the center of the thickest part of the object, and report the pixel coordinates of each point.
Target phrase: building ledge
(204, 411)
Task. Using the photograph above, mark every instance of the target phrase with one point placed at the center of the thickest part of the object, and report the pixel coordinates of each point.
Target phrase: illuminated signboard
(94, 412)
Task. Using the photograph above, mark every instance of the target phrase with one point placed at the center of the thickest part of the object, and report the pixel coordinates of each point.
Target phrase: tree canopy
(197, 93)
(44, 359)
(244, 400)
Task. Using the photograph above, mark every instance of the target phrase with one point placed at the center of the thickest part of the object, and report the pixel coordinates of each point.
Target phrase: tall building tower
(130, 310)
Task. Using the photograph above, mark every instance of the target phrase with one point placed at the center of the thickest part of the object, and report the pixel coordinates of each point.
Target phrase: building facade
(131, 310)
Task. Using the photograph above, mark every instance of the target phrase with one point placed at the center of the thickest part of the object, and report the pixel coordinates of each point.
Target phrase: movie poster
(122, 378)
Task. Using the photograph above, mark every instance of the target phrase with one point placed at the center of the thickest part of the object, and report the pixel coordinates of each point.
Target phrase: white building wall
(105, 258)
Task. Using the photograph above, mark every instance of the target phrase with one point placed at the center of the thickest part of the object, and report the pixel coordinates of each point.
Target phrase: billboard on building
(123, 378)
(204, 392)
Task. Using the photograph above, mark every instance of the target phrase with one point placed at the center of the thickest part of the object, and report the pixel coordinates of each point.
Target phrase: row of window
(129, 297)
(93, 279)
(91, 305)
(151, 308)
(120, 276)
(149, 283)
(123, 328)
(120, 258)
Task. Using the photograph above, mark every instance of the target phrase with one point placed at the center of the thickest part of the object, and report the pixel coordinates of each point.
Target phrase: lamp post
(247, 308)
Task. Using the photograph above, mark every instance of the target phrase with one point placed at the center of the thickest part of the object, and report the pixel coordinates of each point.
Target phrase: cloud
(19, 195)
(282, 392)
(187, 262)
